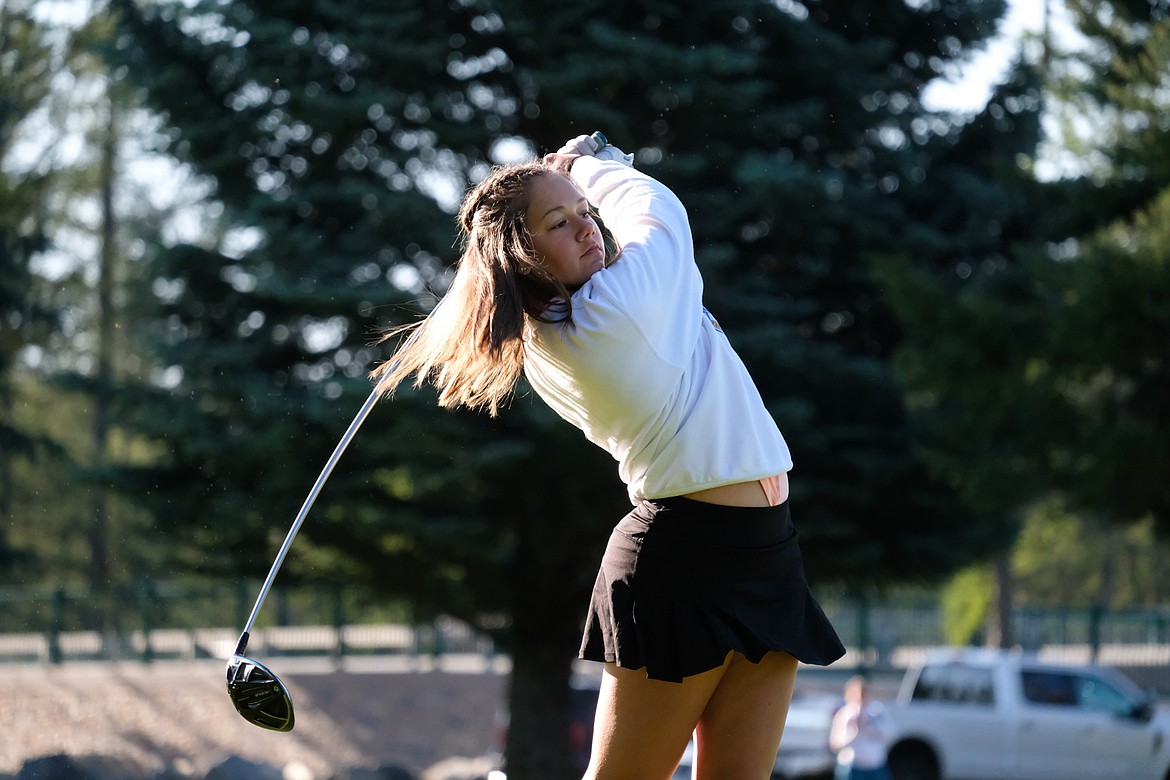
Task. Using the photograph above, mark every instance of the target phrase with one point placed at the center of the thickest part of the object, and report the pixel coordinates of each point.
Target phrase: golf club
(257, 693)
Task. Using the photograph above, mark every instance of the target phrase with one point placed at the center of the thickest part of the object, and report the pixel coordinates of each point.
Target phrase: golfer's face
(566, 239)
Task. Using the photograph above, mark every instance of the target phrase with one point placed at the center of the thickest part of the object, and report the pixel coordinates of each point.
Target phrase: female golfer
(579, 272)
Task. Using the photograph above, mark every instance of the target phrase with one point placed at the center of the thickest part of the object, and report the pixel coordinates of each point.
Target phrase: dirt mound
(177, 716)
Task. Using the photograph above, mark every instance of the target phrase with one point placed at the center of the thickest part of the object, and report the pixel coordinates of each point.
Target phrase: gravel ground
(177, 715)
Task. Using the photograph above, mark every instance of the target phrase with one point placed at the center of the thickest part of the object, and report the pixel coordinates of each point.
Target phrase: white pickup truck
(992, 715)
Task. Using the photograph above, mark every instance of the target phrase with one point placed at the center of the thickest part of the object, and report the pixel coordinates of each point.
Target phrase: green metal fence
(153, 621)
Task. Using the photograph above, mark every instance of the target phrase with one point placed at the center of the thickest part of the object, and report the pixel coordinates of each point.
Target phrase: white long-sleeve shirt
(642, 368)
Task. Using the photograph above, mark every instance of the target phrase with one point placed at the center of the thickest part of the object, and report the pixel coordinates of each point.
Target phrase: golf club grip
(342, 444)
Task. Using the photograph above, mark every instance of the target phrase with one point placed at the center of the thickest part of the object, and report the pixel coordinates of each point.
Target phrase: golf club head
(258, 694)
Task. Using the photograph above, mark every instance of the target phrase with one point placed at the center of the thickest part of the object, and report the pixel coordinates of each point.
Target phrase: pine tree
(24, 85)
(1110, 363)
(69, 121)
(335, 134)
(323, 134)
(972, 313)
(319, 166)
(796, 136)
(975, 321)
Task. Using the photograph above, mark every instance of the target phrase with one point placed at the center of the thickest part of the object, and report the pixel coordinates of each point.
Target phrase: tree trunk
(539, 702)
(5, 479)
(1001, 632)
(545, 636)
(98, 536)
(1107, 537)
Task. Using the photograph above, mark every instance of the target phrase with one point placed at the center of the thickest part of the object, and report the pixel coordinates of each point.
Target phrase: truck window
(1053, 688)
(955, 683)
(1095, 694)
(1069, 689)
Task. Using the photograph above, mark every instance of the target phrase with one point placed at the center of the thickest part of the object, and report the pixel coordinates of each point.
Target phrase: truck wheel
(913, 763)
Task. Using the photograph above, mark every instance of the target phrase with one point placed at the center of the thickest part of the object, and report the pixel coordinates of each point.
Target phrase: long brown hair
(472, 346)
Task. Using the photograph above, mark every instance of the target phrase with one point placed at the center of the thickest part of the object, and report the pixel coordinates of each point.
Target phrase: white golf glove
(597, 146)
(584, 145)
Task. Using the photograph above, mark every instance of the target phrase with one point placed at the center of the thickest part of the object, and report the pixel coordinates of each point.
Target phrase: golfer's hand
(581, 145)
(611, 152)
(560, 161)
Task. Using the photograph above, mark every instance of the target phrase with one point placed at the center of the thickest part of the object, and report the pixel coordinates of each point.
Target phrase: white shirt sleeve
(655, 280)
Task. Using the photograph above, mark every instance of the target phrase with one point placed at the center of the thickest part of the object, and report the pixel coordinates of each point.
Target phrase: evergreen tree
(335, 134)
(1110, 362)
(331, 137)
(796, 136)
(69, 123)
(320, 135)
(973, 316)
(25, 74)
(1049, 377)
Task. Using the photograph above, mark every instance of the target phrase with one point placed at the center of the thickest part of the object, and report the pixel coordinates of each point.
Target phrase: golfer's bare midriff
(739, 494)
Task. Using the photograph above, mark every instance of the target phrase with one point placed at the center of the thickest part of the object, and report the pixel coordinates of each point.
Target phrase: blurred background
(937, 231)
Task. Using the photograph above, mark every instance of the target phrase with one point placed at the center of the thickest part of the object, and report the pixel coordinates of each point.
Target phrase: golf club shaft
(360, 418)
(350, 432)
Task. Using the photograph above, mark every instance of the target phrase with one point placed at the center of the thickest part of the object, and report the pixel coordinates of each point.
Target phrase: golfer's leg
(642, 725)
(740, 729)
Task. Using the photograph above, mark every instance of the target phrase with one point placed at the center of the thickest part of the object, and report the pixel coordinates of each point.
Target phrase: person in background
(860, 735)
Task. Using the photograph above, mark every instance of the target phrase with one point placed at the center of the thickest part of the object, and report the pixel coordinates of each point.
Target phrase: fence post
(339, 621)
(242, 606)
(56, 621)
(1096, 612)
(146, 601)
(440, 646)
(863, 632)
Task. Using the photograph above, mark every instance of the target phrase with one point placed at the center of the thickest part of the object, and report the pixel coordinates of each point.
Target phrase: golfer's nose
(584, 228)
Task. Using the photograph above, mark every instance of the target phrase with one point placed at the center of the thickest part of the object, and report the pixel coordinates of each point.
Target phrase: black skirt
(683, 582)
